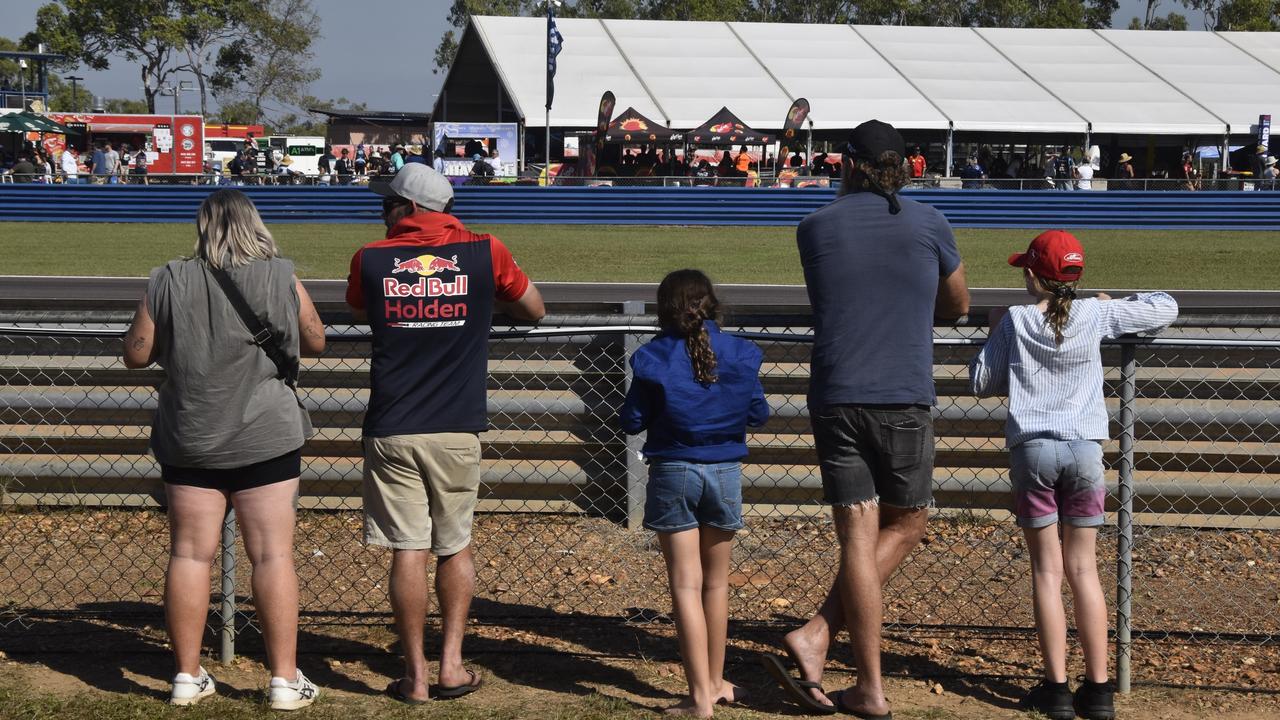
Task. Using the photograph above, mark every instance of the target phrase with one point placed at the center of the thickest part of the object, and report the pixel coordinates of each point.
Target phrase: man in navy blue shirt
(428, 292)
(878, 268)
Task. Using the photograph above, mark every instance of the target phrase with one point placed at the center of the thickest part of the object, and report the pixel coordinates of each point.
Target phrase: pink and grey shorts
(1058, 481)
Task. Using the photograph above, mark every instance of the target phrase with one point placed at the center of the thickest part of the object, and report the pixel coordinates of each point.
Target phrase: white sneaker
(285, 695)
(189, 690)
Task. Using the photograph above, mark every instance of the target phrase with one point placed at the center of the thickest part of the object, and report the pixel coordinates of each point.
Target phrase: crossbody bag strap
(270, 342)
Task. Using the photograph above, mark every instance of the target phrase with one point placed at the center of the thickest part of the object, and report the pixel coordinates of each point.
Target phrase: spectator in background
(237, 168)
(343, 168)
(495, 162)
(111, 164)
(473, 147)
(972, 174)
(44, 167)
(743, 162)
(1125, 172)
(362, 160)
(97, 163)
(1270, 173)
(481, 170)
(23, 171)
(140, 163)
(1084, 176)
(1258, 163)
(1063, 169)
(326, 166)
(397, 157)
(917, 161)
(250, 158)
(69, 167)
(1015, 167)
(415, 155)
(438, 161)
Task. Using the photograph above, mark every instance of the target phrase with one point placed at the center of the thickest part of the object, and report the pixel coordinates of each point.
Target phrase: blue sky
(378, 52)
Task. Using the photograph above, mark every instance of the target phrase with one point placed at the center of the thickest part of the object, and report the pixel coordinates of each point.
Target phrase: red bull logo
(426, 265)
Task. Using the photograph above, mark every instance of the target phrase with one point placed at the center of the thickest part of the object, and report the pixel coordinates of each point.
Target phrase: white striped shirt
(1055, 391)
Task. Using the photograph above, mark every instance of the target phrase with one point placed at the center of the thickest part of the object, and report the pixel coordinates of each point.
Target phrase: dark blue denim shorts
(684, 495)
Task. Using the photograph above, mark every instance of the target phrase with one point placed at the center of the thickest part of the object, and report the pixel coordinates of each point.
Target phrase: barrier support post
(637, 472)
(1124, 543)
(227, 620)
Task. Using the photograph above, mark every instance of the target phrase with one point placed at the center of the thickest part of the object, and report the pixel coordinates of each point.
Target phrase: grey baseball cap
(419, 183)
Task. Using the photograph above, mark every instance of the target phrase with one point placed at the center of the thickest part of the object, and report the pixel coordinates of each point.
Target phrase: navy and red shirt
(429, 290)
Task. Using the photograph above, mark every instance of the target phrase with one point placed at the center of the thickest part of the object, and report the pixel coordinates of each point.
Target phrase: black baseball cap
(872, 138)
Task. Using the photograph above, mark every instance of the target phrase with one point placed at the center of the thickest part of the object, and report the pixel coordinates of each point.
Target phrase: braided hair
(685, 300)
(1058, 313)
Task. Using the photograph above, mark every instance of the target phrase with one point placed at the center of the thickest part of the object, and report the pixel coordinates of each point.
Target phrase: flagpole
(548, 91)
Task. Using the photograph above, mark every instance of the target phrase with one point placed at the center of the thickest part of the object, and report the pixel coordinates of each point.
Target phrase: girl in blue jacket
(696, 390)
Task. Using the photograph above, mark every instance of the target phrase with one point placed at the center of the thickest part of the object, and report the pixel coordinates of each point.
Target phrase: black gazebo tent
(632, 127)
(724, 128)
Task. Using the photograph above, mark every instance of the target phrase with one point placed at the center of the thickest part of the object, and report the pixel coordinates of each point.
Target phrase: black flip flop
(445, 692)
(740, 696)
(394, 692)
(797, 688)
(837, 698)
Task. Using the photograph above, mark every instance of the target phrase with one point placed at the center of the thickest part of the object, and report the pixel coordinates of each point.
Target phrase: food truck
(174, 143)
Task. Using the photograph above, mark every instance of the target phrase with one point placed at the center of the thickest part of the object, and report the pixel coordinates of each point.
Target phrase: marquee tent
(989, 80)
(631, 126)
(724, 128)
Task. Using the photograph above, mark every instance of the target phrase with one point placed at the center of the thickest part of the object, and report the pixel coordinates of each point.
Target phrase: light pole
(75, 97)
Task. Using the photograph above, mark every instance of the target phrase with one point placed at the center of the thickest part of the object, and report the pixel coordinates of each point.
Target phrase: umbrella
(25, 121)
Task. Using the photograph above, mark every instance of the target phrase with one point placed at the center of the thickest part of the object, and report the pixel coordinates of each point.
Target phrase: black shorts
(277, 469)
(870, 452)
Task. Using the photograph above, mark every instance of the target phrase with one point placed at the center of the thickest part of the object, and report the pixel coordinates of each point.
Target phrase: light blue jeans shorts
(685, 495)
(1058, 481)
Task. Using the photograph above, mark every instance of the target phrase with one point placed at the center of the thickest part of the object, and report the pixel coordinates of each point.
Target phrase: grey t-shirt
(221, 405)
(873, 279)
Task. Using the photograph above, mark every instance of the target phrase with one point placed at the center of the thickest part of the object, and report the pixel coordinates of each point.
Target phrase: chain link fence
(1192, 517)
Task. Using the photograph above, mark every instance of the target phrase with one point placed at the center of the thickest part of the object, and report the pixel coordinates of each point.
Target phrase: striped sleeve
(989, 371)
(1141, 313)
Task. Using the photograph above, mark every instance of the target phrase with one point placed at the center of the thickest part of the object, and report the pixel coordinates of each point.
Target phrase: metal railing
(768, 180)
(1192, 519)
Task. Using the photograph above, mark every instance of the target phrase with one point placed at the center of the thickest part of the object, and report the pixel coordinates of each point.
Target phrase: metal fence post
(637, 474)
(227, 631)
(1124, 544)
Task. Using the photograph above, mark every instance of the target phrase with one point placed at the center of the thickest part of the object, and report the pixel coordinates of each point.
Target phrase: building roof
(375, 116)
(925, 78)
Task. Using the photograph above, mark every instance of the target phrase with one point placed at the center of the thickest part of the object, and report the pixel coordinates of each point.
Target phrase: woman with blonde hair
(229, 427)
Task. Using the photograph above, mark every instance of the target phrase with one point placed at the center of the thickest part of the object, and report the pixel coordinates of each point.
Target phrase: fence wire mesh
(557, 532)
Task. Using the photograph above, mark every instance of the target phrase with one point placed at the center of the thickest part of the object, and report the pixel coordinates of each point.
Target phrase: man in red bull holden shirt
(428, 292)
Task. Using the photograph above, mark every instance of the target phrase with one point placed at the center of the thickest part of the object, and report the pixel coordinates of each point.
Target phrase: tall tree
(199, 29)
(270, 68)
(1249, 15)
(460, 13)
(91, 32)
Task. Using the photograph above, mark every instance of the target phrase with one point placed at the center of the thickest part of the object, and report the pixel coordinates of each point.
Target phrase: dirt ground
(574, 669)
(1206, 602)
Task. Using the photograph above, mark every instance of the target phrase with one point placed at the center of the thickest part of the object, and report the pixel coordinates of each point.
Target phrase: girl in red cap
(1047, 358)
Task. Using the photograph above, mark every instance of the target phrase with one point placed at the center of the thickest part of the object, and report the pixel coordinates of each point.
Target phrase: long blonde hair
(230, 233)
(1058, 314)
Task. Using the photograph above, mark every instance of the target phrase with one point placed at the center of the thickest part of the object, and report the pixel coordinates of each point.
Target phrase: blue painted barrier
(1209, 210)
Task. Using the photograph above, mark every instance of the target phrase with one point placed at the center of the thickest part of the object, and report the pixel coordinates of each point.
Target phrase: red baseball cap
(1053, 255)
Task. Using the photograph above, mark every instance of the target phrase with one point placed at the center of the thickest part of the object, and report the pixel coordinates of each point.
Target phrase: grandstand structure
(1049, 85)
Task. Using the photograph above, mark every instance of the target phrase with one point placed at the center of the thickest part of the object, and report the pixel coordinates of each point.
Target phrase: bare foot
(809, 653)
(688, 708)
(853, 700)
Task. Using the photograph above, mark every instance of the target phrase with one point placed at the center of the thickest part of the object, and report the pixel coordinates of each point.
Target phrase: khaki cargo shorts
(420, 491)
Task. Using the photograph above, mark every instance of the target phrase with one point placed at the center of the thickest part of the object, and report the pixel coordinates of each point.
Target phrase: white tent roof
(845, 80)
(589, 65)
(695, 68)
(1211, 71)
(1107, 88)
(926, 78)
(1264, 46)
(970, 81)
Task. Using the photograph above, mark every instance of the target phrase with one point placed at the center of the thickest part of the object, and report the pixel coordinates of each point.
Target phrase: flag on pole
(554, 41)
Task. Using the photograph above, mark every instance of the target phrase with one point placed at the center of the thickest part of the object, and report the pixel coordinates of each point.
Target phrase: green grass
(592, 253)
